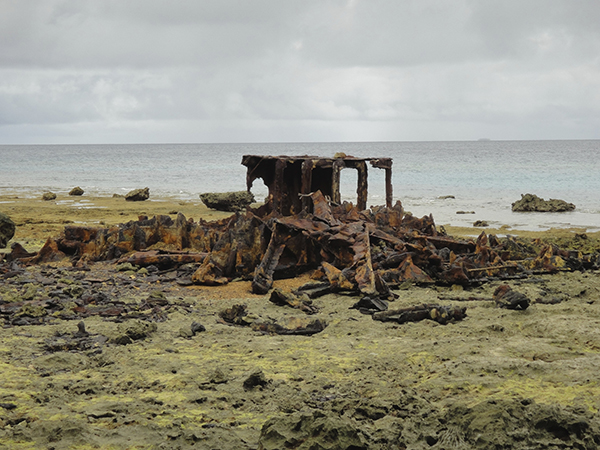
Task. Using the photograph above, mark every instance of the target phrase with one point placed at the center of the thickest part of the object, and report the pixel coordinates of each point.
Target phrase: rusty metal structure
(302, 227)
(291, 179)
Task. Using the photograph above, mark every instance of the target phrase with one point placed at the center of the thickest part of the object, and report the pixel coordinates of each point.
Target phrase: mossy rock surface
(138, 195)
(7, 229)
(227, 201)
(531, 202)
(76, 191)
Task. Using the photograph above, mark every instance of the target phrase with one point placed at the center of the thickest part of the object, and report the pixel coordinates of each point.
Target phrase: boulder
(47, 196)
(228, 201)
(138, 195)
(76, 191)
(531, 202)
(7, 229)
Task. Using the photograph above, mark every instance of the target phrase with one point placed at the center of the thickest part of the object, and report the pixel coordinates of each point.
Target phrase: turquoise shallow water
(483, 176)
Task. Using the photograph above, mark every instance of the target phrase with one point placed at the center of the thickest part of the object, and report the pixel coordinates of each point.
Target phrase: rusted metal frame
(252, 163)
(386, 164)
(336, 196)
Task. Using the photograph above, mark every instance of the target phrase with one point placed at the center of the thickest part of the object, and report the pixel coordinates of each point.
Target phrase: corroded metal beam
(361, 190)
(337, 167)
(307, 168)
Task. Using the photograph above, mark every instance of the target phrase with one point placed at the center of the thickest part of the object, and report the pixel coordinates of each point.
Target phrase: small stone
(81, 328)
(197, 328)
(47, 196)
(218, 377)
(481, 223)
(124, 267)
(134, 331)
(185, 333)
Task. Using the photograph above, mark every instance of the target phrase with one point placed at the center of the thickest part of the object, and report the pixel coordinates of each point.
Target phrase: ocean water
(484, 177)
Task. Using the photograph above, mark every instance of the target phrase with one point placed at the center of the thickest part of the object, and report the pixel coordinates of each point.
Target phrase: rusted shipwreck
(303, 225)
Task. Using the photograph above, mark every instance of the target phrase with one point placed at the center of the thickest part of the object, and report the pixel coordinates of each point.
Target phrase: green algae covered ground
(375, 384)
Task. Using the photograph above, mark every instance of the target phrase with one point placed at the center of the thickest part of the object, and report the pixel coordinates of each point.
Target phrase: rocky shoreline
(109, 356)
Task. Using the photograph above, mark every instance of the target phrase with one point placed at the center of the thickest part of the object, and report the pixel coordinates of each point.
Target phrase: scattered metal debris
(505, 297)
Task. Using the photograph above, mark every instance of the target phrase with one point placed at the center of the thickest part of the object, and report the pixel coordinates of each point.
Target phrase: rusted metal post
(307, 168)
(361, 190)
(388, 187)
(337, 166)
(278, 194)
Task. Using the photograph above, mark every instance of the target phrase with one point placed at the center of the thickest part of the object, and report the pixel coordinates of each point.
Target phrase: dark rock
(197, 328)
(81, 328)
(7, 230)
(138, 195)
(446, 197)
(76, 191)
(227, 201)
(49, 196)
(531, 202)
(255, 379)
(465, 212)
(481, 223)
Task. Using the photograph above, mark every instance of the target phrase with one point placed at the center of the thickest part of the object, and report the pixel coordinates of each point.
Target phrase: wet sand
(513, 379)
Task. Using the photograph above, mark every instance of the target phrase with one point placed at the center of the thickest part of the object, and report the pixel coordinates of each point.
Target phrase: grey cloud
(279, 70)
(92, 34)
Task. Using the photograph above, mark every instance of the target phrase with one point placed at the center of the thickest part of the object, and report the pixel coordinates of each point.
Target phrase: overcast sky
(129, 71)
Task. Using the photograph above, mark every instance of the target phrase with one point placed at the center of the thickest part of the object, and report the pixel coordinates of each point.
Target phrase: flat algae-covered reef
(498, 377)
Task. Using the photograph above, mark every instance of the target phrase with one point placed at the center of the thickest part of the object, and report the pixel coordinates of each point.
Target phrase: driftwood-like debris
(301, 302)
(438, 313)
(238, 315)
